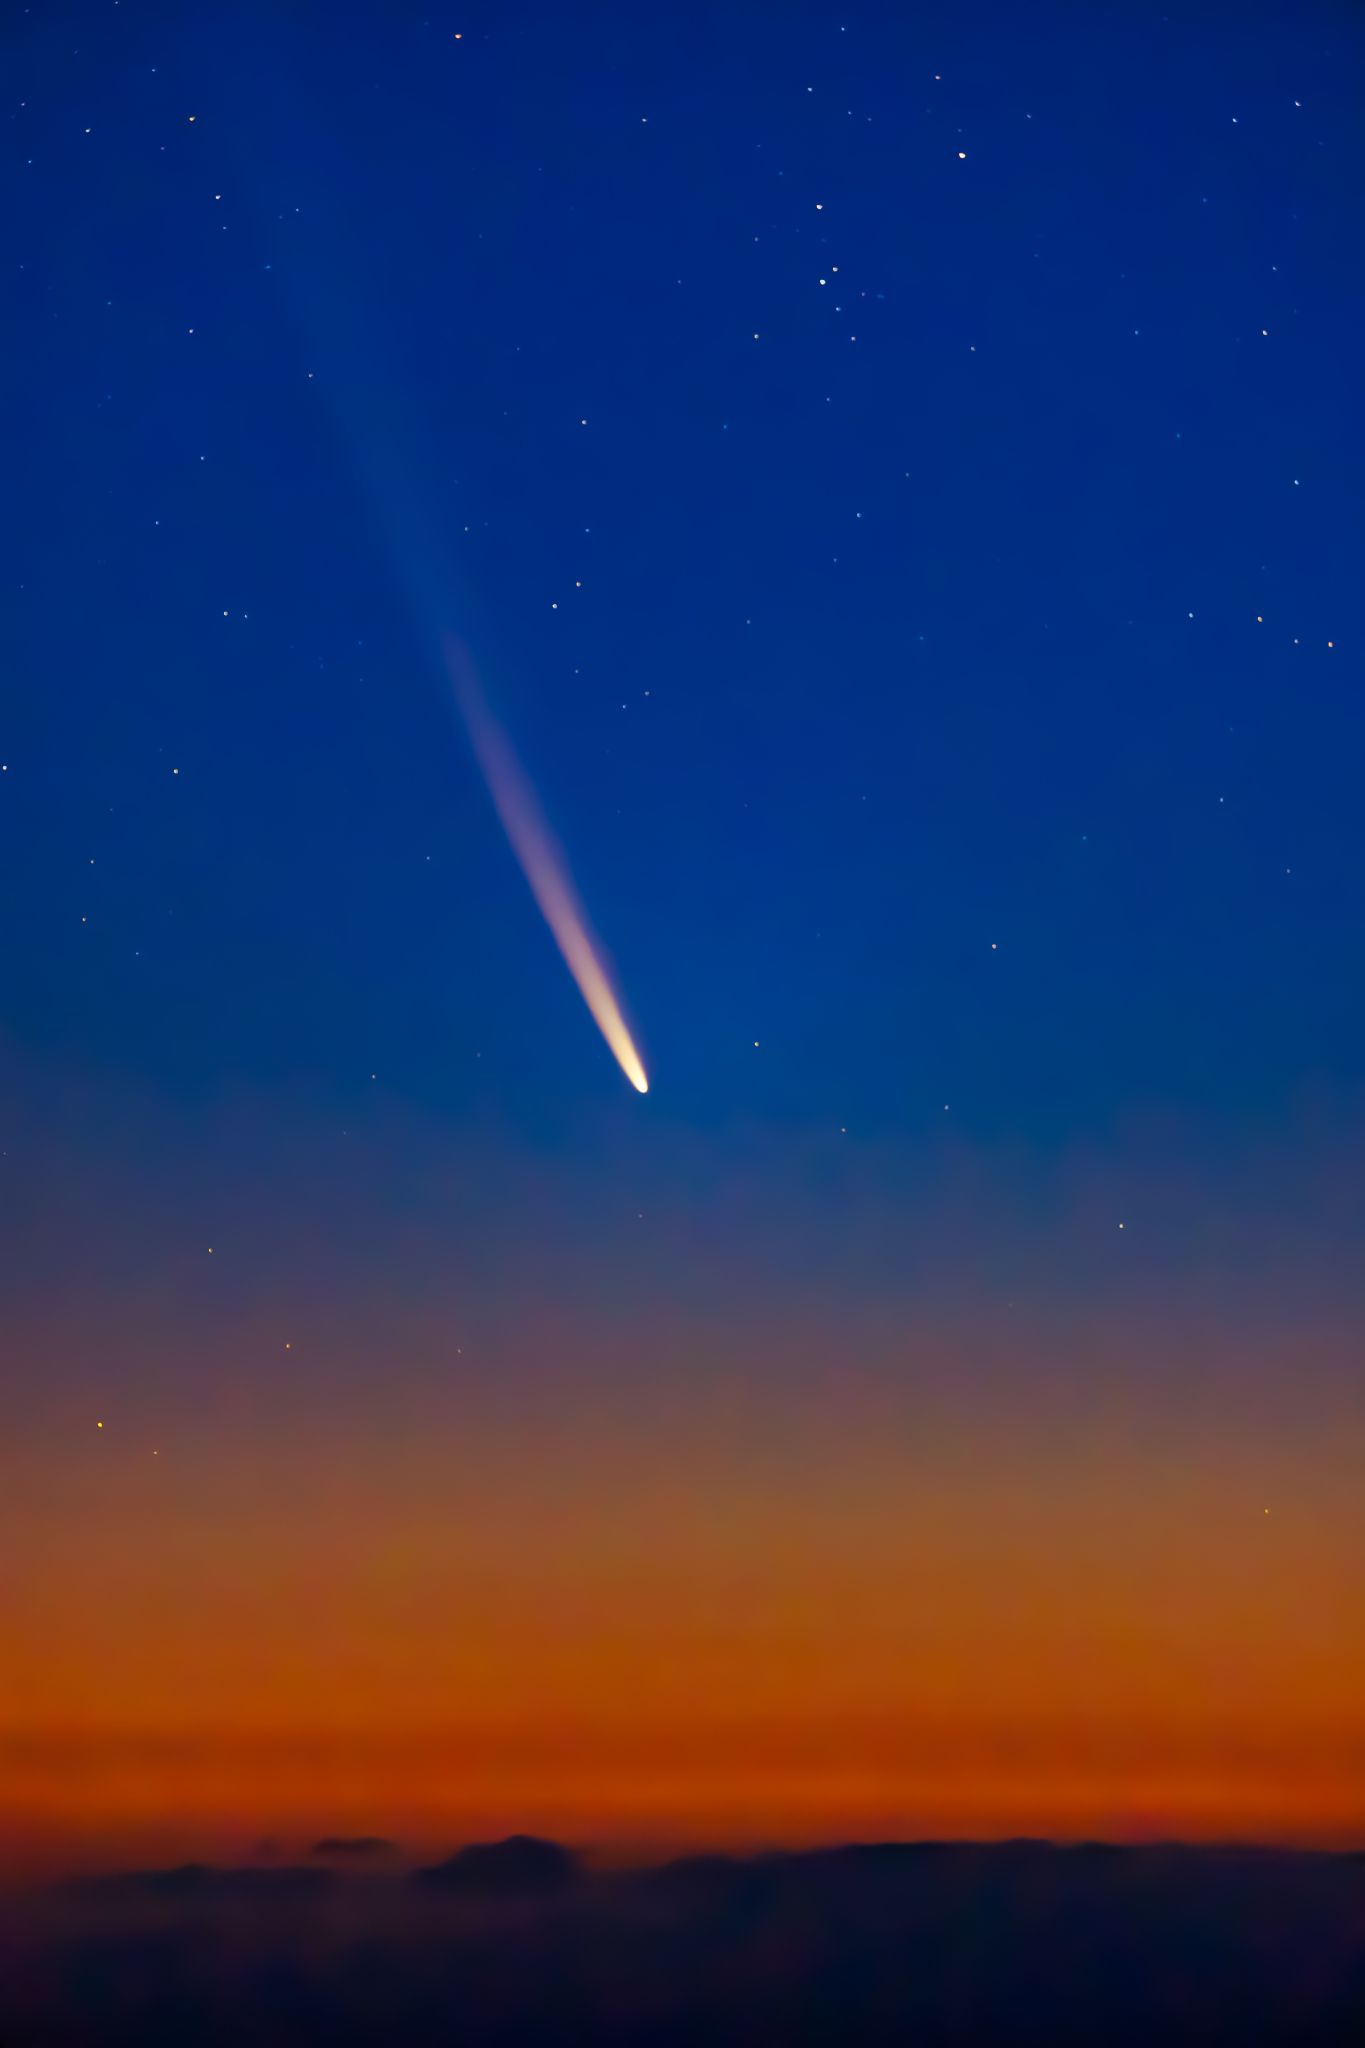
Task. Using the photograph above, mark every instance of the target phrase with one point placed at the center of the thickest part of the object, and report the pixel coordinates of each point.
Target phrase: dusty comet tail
(544, 866)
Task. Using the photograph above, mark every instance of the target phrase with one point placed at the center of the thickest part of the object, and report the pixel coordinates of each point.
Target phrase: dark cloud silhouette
(357, 1846)
(203, 1881)
(1018, 1945)
(521, 1867)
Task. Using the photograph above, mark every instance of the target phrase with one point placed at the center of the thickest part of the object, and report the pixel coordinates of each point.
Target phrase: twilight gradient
(897, 471)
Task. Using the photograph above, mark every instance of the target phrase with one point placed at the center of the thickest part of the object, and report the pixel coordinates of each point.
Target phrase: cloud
(354, 1845)
(836, 1948)
(521, 1867)
(204, 1881)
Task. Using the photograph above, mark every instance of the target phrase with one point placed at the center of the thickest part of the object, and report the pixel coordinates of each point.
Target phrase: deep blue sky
(926, 669)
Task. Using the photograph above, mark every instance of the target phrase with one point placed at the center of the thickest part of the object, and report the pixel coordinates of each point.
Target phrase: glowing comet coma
(544, 866)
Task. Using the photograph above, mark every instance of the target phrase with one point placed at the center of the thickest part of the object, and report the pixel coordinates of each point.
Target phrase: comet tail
(545, 868)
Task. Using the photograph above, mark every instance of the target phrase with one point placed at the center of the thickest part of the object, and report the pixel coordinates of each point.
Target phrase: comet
(544, 866)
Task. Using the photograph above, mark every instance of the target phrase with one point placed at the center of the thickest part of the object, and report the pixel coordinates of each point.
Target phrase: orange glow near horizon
(640, 1628)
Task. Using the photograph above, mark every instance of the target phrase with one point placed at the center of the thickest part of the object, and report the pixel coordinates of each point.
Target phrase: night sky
(895, 470)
